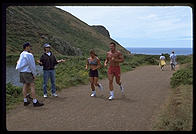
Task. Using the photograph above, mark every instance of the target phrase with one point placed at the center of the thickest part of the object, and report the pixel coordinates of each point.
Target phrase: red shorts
(115, 70)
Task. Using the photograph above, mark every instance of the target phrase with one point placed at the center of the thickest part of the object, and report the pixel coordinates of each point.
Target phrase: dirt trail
(146, 88)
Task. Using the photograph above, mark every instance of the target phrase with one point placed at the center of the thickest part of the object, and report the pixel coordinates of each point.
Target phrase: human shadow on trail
(122, 98)
(125, 99)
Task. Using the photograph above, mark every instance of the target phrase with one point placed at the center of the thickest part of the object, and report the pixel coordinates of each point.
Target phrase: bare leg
(32, 85)
(24, 91)
(118, 80)
(110, 78)
(95, 81)
(92, 83)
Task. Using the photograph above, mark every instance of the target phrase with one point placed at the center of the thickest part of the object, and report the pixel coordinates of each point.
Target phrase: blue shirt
(26, 63)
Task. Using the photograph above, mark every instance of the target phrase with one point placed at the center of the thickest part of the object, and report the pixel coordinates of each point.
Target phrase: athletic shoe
(45, 95)
(93, 95)
(111, 97)
(29, 97)
(37, 104)
(100, 87)
(26, 103)
(54, 94)
(121, 88)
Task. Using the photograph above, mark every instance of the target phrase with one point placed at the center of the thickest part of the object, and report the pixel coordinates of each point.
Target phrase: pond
(12, 75)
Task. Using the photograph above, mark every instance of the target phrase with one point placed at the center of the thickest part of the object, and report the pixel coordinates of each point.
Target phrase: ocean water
(158, 51)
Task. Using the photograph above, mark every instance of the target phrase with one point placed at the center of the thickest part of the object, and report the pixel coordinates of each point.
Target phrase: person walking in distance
(48, 61)
(173, 60)
(94, 63)
(114, 58)
(27, 69)
(162, 62)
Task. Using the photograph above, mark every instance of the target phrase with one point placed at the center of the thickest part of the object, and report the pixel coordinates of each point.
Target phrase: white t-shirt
(162, 57)
(48, 53)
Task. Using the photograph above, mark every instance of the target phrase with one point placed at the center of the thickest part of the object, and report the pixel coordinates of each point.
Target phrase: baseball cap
(46, 45)
(26, 45)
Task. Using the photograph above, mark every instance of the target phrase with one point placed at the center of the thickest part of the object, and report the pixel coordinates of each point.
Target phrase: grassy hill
(47, 24)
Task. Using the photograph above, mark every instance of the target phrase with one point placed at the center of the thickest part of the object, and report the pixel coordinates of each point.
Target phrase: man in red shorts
(114, 58)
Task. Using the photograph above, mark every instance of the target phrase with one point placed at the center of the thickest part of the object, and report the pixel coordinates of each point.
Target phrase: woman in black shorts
(94, 63)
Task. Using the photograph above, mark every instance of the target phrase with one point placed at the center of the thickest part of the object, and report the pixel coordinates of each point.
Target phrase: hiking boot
(29, 97)
(37, 104)
(100, 87)
(54, 94)
(26, 103)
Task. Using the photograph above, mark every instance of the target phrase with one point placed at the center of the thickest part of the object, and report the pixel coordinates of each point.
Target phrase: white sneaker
(100, 87)
(93, 95)
(45, 95)
(121, 88)
(111, 97)
(54, 94)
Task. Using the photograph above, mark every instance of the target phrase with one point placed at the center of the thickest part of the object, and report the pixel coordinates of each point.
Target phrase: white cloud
(141, 22)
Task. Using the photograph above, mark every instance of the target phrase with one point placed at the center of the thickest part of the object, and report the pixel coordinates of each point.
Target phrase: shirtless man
(114, 58)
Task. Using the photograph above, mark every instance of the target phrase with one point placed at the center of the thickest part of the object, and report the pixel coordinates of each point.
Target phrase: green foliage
(182, 76)
(151, 59)
(48, 24)
(182, 59)
(13, 95)
(13, 90)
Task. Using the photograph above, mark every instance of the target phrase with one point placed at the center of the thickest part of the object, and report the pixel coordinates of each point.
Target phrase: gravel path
(146, 89)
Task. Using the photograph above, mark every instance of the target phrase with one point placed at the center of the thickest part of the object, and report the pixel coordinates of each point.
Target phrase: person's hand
(94, 69)
(62, 60)
(38, 61)
(105, 64)
(86, 68)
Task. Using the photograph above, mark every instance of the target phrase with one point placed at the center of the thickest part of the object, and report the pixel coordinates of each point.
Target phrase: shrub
(13, 90)
(182, 76)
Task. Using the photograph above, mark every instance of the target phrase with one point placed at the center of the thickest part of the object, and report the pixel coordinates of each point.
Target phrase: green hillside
(47, 24)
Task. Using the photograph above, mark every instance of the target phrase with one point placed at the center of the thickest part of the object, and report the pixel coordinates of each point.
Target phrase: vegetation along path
(146, 89)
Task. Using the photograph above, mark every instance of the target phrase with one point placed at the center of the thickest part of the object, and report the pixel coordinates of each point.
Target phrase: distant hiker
(94, 63)
(114, 58)
(48, 61)
(162, 62)
(173, 60)
(26, 67)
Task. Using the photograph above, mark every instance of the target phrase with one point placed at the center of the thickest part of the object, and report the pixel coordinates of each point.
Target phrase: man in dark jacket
(48, 61)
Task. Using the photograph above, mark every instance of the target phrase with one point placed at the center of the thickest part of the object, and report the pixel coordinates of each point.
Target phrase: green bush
(13, 90)
(182, 76)
(182, 59)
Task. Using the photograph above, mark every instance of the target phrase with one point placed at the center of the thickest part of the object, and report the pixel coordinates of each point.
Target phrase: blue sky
(141, 26)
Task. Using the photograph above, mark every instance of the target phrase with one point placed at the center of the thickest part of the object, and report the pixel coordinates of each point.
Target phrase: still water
(12, 75)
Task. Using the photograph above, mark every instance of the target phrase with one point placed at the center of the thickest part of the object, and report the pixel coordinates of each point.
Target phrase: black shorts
(93, 73)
